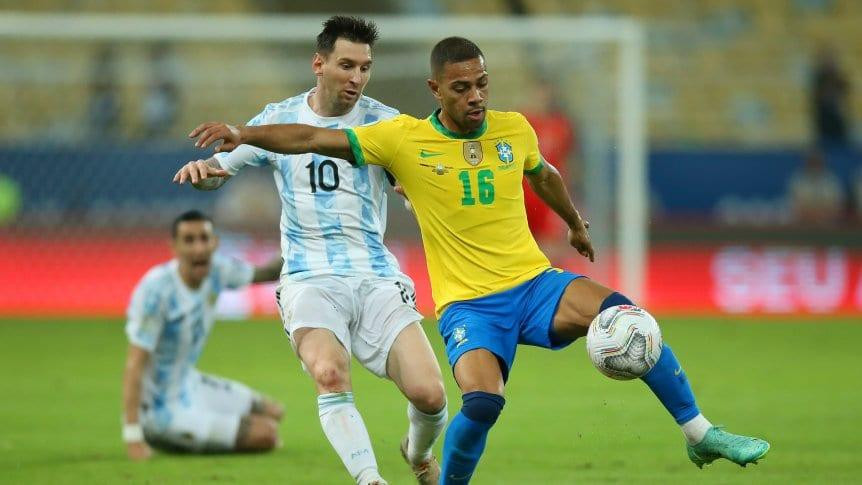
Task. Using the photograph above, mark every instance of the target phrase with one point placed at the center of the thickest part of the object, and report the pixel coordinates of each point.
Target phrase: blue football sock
(669, 383)
(467, 434)
(667, 379)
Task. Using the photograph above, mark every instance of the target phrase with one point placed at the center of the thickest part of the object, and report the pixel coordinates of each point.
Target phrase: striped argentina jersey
(333, 215)
(172, 322)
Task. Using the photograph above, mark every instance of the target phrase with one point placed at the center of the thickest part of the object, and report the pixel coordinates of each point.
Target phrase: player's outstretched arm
(204, 174)
(549, 186)
(133, 435)
(286, 138)
(268, 272)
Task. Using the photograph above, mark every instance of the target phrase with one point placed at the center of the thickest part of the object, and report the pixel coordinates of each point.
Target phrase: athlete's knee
(330, 375)
(428, 396)
(480, 370)
(581, 301)
(275, 410)
(482, 406)
(257, 433)
(269, 434)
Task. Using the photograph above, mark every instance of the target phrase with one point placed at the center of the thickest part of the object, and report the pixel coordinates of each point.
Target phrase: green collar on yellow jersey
(435, 122)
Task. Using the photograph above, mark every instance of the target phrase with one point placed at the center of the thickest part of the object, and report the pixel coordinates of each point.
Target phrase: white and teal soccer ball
(624, 342)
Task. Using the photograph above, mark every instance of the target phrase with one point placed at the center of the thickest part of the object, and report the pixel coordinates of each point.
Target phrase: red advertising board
(95, 276)
(755, 279)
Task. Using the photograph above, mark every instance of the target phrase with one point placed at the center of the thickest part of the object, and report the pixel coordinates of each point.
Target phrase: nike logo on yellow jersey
(425, 154)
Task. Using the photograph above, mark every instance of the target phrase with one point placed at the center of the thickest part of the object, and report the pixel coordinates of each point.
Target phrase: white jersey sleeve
(146, 312)
(247, 155)
(232, 273)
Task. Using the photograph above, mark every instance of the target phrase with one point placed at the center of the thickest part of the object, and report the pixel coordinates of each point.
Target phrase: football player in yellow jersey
(461, 168)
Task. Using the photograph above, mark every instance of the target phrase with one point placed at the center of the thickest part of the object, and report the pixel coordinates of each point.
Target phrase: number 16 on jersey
(484, 183)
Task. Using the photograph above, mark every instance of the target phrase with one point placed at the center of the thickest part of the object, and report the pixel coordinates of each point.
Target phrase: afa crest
(504, 151)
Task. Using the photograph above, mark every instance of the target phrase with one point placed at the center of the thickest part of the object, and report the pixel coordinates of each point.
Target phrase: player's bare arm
(285, 138)
(204, 174)
(136, 361)
(549, 186)
(268, 272)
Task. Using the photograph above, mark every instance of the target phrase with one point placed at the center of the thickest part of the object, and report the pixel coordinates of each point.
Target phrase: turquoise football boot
(718, 443)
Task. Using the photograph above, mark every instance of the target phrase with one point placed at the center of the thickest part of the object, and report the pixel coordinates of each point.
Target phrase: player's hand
(139, 451)
(198, 171)
(212, 132)
(400, 190)
(579, 238)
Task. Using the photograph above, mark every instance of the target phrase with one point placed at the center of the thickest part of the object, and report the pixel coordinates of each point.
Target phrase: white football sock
(423, 432)
(370, 477)
(695, 429)
(346, 432)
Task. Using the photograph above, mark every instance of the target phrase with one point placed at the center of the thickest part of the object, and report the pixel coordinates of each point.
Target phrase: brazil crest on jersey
(467, 195)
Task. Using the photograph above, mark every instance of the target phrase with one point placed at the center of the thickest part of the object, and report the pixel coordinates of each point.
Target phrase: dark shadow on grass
(168, 451)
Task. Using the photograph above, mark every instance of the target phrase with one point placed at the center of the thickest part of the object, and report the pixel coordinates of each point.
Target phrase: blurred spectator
(104, 109)
(516, 7)
(557, 142)
(419, 7)
(249, 204)
(161, 102)
(815, 193)
(830, 92)
(857, 194)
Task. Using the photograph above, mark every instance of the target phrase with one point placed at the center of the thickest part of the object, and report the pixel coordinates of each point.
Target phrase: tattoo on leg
(258, 406)
(244, 427)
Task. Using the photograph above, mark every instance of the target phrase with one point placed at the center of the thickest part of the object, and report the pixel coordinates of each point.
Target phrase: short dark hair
(453, 49)
(354, 29)
(188, 216)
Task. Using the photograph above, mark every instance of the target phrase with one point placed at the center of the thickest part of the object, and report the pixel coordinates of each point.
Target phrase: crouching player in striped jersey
(167, 402)
(342, 292)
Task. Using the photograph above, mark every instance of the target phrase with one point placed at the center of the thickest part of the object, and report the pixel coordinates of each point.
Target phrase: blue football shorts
(500, 321)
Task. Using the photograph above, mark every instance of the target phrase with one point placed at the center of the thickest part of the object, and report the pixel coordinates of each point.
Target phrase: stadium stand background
(728, 120)
(767, 46)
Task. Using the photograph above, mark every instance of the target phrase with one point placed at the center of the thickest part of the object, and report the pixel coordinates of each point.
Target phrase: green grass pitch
(791, 382)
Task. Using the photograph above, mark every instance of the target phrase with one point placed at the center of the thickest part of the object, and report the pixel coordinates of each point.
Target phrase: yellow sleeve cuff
(536, 169)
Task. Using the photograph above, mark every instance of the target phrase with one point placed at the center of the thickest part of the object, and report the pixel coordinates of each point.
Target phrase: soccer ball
(624, 342)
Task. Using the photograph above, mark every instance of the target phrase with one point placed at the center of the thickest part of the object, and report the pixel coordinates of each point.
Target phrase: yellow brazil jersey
(467, 195)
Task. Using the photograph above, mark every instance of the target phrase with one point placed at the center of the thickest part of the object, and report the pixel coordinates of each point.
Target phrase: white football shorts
(205, 418)
(366, 314)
